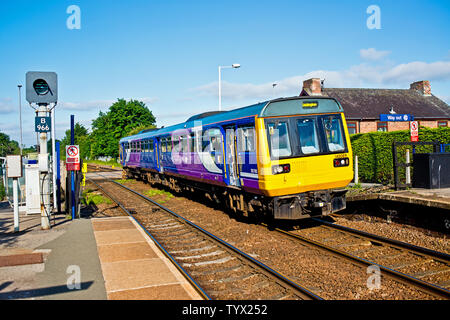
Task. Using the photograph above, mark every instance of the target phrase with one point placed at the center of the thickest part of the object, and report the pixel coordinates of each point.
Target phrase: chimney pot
(423, 87)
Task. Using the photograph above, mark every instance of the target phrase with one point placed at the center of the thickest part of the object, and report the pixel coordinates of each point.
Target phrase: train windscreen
(305, 136)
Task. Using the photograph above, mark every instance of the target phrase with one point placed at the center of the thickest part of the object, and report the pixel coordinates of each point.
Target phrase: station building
(368, 110)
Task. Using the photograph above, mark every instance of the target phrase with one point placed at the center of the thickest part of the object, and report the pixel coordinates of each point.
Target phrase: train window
(333, 132)
(192, 143)
(176, 143)
(163, 145)
(246, 139)
(212, 140)
(169, 144)
(151, 146)
(279, 139)
(184, 144)
(307, 132)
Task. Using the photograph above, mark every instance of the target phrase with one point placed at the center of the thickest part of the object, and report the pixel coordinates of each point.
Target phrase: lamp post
(235, 66)
(20, 116)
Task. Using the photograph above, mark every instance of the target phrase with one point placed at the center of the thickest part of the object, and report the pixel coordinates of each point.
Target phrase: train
(283, 159)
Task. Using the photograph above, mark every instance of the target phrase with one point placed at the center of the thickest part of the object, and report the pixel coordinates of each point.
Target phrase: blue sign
(42, 124)
(396, 117)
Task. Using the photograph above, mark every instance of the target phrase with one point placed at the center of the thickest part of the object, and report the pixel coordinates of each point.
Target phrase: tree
(122, 117)
(81, 138)
(7, 146)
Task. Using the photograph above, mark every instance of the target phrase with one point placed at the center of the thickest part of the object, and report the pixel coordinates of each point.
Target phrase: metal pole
(72, 175)
(54, 160)
(45, 181)
(220, 90)
(58, 178)
(16, 204)
(20, 117)
(356, 170)
(408, 168)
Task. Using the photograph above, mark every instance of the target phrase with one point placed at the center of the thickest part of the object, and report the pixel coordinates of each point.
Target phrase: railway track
(424, 269)
(99, 168)
(419, 268)
(216, 268)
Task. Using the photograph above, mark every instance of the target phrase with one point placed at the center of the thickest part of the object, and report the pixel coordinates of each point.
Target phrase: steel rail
(167, 254)
(435, 255)
(393, 274)
(280, 279)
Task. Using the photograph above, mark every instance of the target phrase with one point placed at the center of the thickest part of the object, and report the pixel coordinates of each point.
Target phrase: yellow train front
(304, 157)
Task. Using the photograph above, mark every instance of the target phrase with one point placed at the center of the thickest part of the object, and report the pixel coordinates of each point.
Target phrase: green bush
(2, 190)
(374, 151)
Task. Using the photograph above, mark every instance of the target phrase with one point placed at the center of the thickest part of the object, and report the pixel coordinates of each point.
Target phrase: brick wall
(371, 126)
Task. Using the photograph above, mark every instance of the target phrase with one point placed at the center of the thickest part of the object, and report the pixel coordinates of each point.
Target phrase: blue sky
(166, 53)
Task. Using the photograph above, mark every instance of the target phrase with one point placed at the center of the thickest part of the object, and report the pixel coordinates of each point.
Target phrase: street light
(235, 66)
(20, 116)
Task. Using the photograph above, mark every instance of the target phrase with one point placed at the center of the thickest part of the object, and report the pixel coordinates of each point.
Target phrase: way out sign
(73, 158)
(414, 129)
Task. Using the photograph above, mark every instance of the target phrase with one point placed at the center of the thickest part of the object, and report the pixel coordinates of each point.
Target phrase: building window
(382, 126)
(351, 126)
(442, 124)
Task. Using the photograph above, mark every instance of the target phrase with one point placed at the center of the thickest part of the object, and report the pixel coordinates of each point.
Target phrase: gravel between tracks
(325, 274)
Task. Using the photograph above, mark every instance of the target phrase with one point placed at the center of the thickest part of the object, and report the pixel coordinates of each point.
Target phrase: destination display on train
(310, 104)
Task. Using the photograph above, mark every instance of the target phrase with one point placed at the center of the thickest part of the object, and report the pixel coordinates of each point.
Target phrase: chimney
(423, 87)
(312, 87)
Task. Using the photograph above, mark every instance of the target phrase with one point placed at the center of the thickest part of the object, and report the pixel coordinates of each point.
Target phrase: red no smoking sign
(72, 151)
(73, 158)
(414, 131)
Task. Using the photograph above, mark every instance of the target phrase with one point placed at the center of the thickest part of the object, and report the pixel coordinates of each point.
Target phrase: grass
(92, 198)
(105, 163)
(122, 181)
(156, 192)
(356, 186)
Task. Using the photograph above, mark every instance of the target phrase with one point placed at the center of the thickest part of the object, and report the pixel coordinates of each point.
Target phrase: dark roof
(370, 103)
(204, 115)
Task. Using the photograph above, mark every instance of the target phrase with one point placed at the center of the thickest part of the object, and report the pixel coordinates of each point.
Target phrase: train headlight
(283, 168)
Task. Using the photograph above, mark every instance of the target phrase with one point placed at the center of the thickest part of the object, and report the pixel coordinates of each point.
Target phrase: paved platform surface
(437, 198)
(133, 266)
(41, 264)
(85, 259)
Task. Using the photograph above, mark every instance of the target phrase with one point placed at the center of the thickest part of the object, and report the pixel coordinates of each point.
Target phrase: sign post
(14, 171)
(73, 164)
(42, 90)
(73, 158)
(414, 129)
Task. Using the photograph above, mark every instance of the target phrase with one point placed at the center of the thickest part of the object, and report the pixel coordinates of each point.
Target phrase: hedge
(374, 151)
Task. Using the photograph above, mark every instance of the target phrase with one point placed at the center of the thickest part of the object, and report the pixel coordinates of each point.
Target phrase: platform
(134, 267)
(437, 198)
(85, 259)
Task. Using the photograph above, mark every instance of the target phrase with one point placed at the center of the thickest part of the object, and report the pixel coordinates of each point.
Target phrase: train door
(231, 156)
(158, 154)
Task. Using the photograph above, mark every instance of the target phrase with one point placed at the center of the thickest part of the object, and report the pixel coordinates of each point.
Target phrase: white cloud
(414, 71)
(372, 54)
(6, 106)
(358, 76)
(99, 104)
(444, 98)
